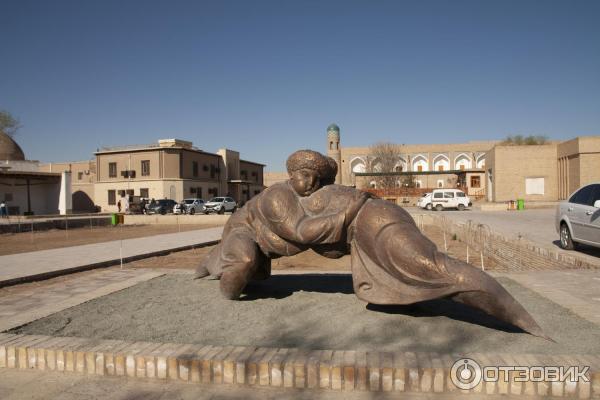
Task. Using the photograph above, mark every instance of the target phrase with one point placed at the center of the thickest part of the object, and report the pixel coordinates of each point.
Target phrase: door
(590, 226)
(450, 200)
(229, 203)
(577, 209)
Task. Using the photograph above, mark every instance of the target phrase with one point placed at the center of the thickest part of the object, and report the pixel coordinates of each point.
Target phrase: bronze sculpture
(392, 262)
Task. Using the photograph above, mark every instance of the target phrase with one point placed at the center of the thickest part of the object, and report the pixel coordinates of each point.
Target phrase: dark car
(162, 206)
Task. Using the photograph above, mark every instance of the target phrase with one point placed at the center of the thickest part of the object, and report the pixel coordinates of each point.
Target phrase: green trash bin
(114, 219)
(520, 204)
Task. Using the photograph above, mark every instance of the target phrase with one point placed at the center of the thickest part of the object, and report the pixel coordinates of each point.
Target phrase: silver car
(220, 205)
(578, 218)
(192, 206)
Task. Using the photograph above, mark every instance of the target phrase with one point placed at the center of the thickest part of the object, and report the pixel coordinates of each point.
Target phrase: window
(145, 167)
(583, 196)
(195, 168)
(212, 171)
(534, 186)
(448, 195)
(144, 193)
(440, 167)
(460, 194)
(112, 198)
(475, 181)
(129, 192)
(398, 168)
(438, 195)
(440, 183)
(420, 168)
(79, 176)
(462, 167)
(121, 193)
(112, 170)
(595, 195)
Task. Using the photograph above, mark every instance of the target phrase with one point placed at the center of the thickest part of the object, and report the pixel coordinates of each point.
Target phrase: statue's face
(305, 181)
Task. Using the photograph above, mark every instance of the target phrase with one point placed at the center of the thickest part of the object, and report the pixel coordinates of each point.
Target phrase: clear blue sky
(266, 78)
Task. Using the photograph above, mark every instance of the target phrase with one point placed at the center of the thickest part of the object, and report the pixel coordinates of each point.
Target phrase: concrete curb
(341, 370)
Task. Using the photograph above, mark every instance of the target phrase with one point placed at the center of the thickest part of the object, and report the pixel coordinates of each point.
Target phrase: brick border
(341, 370)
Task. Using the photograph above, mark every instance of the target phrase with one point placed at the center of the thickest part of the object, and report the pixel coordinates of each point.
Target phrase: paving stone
(264, 367)
(241, 363)
(373, 365)
(276, 367)
(312, 369)
(228, 365)
(325, 369)
(349, 369)
(217, 364)
(362, 371)
(252, 365)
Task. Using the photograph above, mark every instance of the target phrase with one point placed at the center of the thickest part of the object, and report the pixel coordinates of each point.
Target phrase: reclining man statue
(392, 262)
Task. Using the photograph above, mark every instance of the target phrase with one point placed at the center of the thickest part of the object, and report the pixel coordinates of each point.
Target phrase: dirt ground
(13, 243)
(307, 261)
(314, 311)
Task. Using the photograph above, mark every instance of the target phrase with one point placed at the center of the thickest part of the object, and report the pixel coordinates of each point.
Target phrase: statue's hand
(354, 208)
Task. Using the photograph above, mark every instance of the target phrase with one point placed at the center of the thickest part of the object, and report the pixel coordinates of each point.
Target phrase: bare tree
(383, 158)
(520, 140)
(8, 124)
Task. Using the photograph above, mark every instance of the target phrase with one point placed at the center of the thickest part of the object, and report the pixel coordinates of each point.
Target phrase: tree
(520, 140)
(384, 157)
(8, 124)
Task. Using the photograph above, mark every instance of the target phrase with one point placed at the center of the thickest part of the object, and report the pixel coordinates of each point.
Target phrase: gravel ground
(311, 311)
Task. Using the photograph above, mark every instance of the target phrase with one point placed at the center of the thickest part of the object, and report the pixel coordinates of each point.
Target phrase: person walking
(119, 205)
(3, 210)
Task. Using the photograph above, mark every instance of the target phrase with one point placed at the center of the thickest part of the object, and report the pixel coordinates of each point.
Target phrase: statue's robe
(392, 262)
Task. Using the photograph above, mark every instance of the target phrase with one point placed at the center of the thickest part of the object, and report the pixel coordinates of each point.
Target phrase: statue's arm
(287, 219)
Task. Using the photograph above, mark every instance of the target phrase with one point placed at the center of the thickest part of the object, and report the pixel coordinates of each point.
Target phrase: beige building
(430, 165)
(173, 169)
(547, 172)
(483, 169)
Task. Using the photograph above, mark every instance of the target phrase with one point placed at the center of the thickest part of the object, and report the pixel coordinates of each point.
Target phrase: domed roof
(9, 149)
(333, 127)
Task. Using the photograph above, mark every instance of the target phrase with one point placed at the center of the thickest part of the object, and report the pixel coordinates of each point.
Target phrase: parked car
(220, 205)
(578, 218)
(162, 206)
(449, 198)
(425, 201)
(192, 206)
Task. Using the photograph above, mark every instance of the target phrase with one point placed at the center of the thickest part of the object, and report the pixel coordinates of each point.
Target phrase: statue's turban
(308, 159)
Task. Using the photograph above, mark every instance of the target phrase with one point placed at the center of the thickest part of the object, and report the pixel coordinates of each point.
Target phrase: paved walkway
(24, 303)
(40, 264)
(34, 384)
(576, 290)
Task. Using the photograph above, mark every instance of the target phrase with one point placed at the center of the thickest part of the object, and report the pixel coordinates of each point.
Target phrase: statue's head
(308, 171)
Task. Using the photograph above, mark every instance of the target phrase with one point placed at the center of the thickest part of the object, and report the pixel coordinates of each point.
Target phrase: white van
(449, 198)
